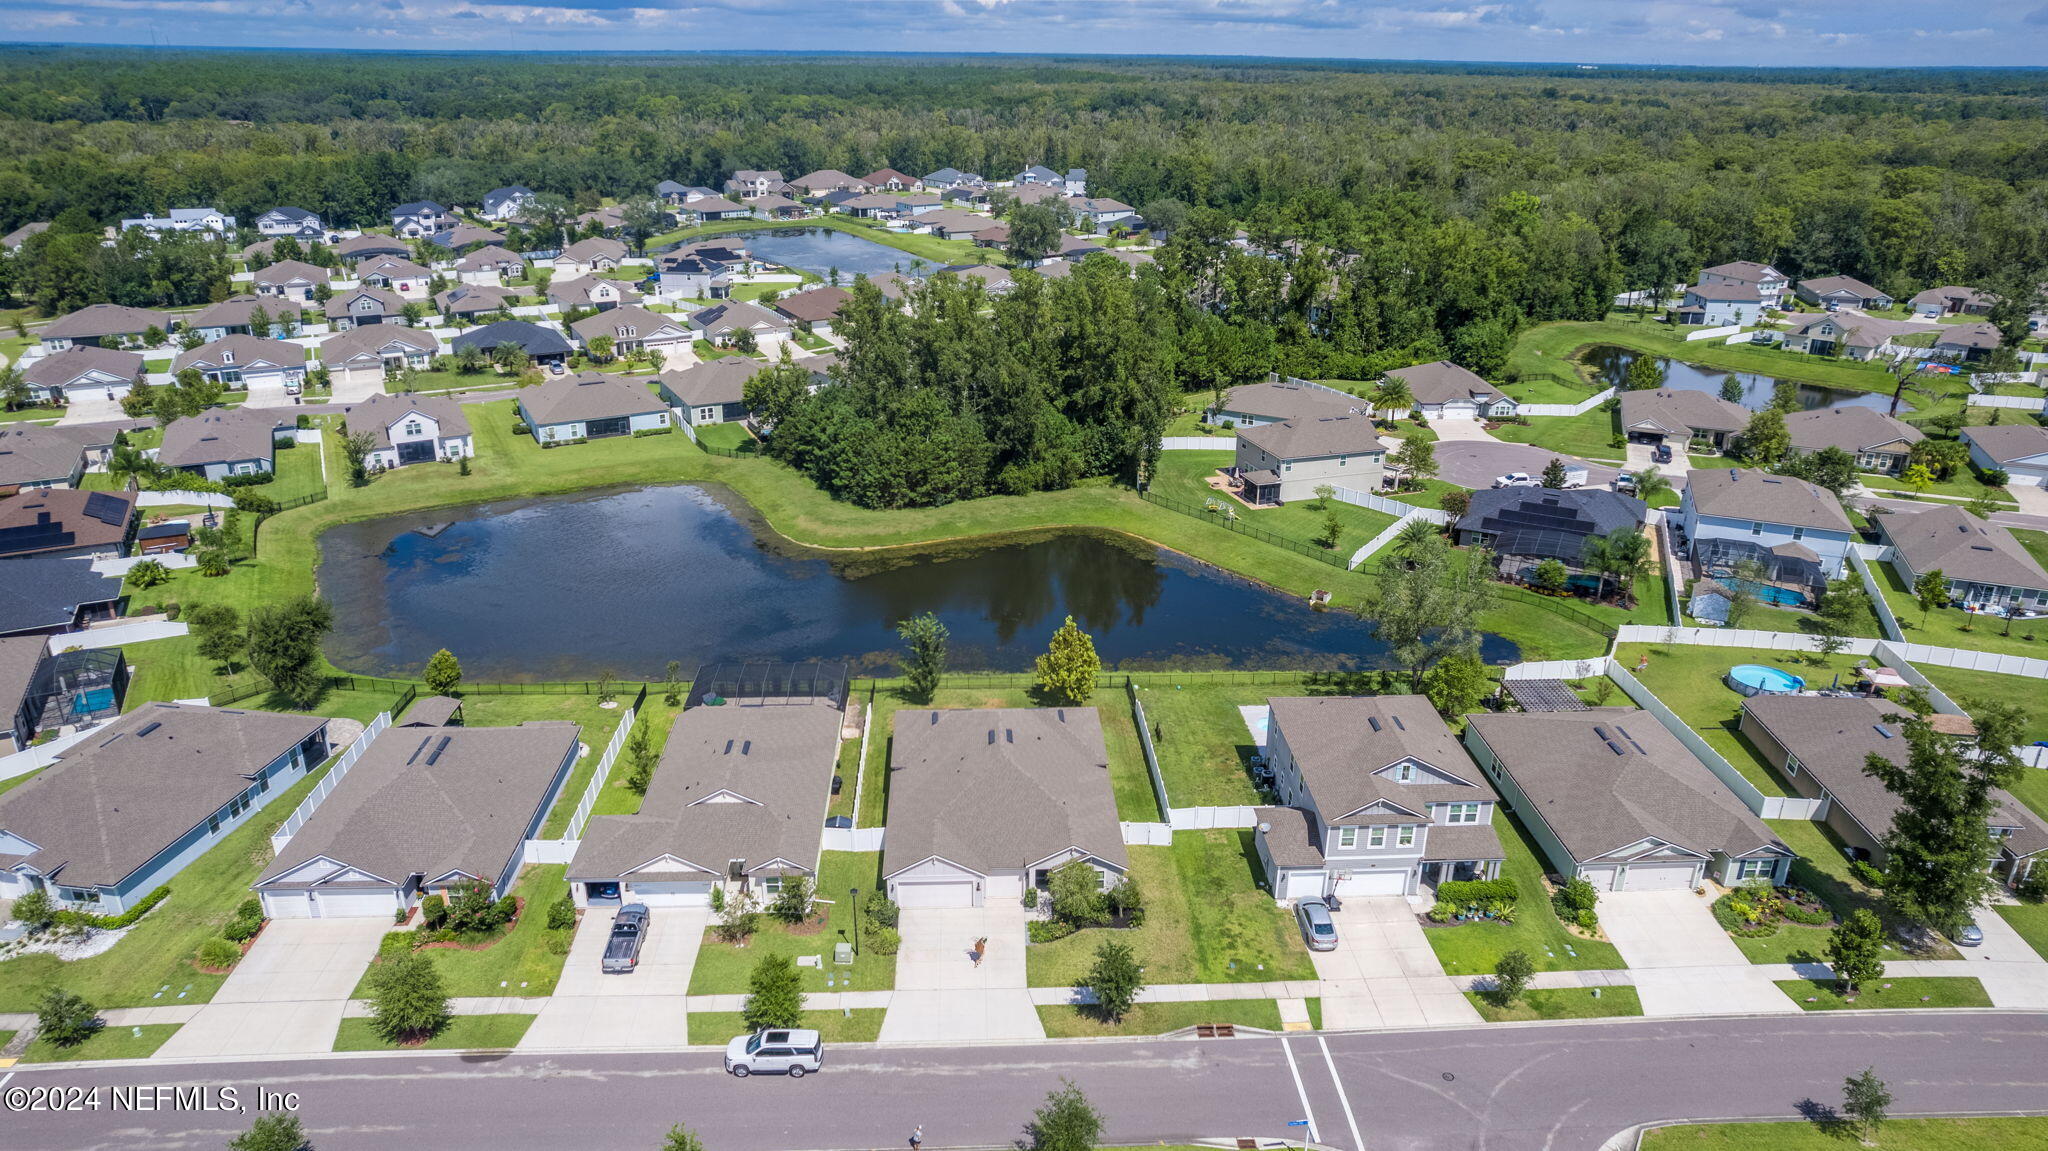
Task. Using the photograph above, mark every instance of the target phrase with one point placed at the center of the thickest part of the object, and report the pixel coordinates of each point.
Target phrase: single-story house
(1098, 212)
(46, 456)
(66, 522)
(953, 223)
(986, 801)
(83, 370)
(2018, 450)
(1770, 284)
(889, 179)
(1524, 526)
(42, 692)
(1962, 343)
(411, 430)
(291, 280)
(288, 221)
(632, 327)
(1445, 391)
(1614, 799)
(826, 180)
(1290, 460)
(1879, 442)
(1717, 305)
(396, 274)
(1951, 301)
(489, 265)
(102, 326)
(366, 355)
(737, 803)
(362, 307)
(713, 208)
(591, 292)
(48, 596)
(1248, 405)
(995, 281)
(1380, 800)
(246, 362)
(1838, 291)
(13, 241)
(221, 442)
(589, 257)
(424, 811)
(721, 323)
(951, 178)
(505, 203)
(712, 392)
(1986, 567)
(463, 237)
(371, 244)
(125, 811)
(543, 344)
(1820, 744)
(1691, 418)
(1797, 530)
(473, 300)
(236, 315)
(1857, 337)
(590, 406)
(609, 220)
(814, 309)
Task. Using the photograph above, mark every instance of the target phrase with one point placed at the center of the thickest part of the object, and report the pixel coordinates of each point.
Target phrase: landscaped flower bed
(1758, 912)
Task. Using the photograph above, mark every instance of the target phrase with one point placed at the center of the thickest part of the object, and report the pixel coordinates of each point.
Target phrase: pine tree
(1935, 851)
(1068, 670)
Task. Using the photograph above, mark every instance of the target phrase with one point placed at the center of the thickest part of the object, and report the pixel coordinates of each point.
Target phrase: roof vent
(935, 719)
(1399, 724)
(728, 747)
(424, 741)
(1009, 735)
(991, 737)
(1374, 721)
(1615, 748)
(152, 725)
(747, 748)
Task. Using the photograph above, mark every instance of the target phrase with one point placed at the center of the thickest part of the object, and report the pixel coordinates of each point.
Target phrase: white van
(795, 1052)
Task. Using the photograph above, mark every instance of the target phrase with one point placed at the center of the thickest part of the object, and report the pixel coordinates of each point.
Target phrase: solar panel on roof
(107, 508)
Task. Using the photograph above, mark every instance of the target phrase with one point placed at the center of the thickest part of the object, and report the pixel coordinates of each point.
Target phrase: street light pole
(853, 902)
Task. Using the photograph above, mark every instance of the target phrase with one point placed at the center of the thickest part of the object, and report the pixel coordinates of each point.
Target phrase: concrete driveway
(287, 994)
(1476, 463)
(358, 387)
(90, 408)
(592, 1011)
(1683, 963)
(268, 394)
(1469, 431)
(1640, 459)
(1383, 973)
(942, 995)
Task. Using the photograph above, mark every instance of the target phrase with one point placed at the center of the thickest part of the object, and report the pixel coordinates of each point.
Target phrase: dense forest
(1395, 211)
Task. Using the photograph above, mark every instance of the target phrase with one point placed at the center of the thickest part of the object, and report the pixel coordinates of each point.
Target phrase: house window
(213, 823)
(1748, 869)
(1756, 528)
(1791, 765)
(1798, 533)
(1406, 836)
(1405, 773)
(1347, 837)
(412, 427)
(1377, 837)
(1461, 813)
(771, 884)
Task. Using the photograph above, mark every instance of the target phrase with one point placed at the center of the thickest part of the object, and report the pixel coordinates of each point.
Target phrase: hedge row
(1463, 891)
(114, 922)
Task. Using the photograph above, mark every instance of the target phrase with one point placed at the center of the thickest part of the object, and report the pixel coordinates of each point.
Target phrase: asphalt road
(1477, 463)
(1546, 1088)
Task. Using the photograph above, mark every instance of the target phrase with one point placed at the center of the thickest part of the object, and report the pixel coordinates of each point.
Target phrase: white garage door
(1373, 883)
(1602, 878)
(669, 894)
(353, 904)
(1657, 877)
(1302, 884)
(286, 905)
(941, 893)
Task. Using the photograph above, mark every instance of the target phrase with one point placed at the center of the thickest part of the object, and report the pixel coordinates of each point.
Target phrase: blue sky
(1760, 32)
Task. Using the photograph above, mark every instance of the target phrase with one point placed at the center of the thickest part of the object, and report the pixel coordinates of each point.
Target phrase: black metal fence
(1316, 552)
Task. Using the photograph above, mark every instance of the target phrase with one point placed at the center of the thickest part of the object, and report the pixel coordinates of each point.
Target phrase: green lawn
(1823, 868)
(2031, 921)
(1963, 684)
(598, 724)
(859, 1025)
(1560, 1003)
(463, 1033)
(1554, 348)
(1957, 991)
(1944, 626)
(299, 471)
(1064, 1022)
(723, 968)
(108, 1043)
(1206, 920)
(525, 961)
(1181, 476)
(1589, 436)
(727, 436)
(1189, 423)
(1474, 948)
(151, 965)
(1897, 1135)
(1203, 745)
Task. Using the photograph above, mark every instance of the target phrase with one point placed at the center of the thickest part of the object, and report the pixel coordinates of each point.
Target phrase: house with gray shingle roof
(1387, 800)
(128, 808)
(294, 280)
(590, 406)
(738, 803)
(102, 325)
(85, 370)
(1652, 416)
(985, 801)
(1842, 291)
(2018, 450)
(411, 430)
(1797, 530)
(221, 442)
(1986, 567)
(40, 456)
(1445, 391)
(1289, 460)
(246, 362)
(1614, 799)
(1248, 405)
(424, 811)
(1878, 442)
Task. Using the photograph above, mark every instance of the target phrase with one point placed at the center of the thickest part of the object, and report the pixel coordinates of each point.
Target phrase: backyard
(1181, 476)
(1588, 436)
(1474, 948)
(1203, 745)
(1954, 627)
(724, 968)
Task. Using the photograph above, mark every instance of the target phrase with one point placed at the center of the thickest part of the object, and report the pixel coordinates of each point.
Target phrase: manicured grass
(1429, 495)
(298, 471)
(598, 724)
(2036, 544)
(1964, 685)
(463, 1033)
(108, 1043)
(1540, 390)
(1943, 627)
(1182, 474)
(1897, 1135)
(1474, 948)
(1189, 423)
(1823, 868)
(1560, 1003)
(2031, 921)
(1589, 436)
(723, 968)
(1064, 1022)
(727, 436)
(1203, 745)
(525, 961)
(1206, 920)
(1315, 1012)
(156, 953)
(1963, 483)
(1957, 991)
(1554, 347)
(864, 1025)
(848, 770)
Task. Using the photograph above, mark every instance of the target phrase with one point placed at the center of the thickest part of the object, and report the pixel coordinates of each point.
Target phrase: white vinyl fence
(325, 787)
(121, 565)
(2023, 403)
(860, 769)
(119, 635)
(853, 839)
(40, 755)
(1752, 797)
(1223, 443)
(1578, 409)
(1145, 745)
(1205, 818)
(167, 499)
(1386, 536)
(1886, 621)
(1376, 502)
(1148, 834)
(1713, 333)
(597, 778)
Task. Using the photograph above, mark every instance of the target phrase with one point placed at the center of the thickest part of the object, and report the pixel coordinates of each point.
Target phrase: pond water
(564, 587)
(819, 250)
(1610, 364)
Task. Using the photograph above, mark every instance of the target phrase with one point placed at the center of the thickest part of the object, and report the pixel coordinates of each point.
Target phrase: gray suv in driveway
(1318, 930)
(790, 1051)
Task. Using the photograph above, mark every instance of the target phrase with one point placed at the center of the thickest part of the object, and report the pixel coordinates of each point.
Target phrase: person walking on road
(917, 1138)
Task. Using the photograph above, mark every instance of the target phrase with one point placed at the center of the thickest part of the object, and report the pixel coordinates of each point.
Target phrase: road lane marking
(1307, 1112)
(1357, 1140)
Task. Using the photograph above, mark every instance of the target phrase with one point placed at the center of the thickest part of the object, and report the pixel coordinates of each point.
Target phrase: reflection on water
(819, 250)
(564, 587)
(1610, 364)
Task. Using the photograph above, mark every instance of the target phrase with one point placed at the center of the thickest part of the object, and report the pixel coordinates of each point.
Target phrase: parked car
(793, 1052)
(1625, 482)
(629, 930)
(1318, 930)
(1661, 453)
(839, 821)
(1516, 480)
(1970, 936)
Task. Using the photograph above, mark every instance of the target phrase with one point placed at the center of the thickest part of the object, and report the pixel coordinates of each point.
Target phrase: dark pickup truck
(622, 950)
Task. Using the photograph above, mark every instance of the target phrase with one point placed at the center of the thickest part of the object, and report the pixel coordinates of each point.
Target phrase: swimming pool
(1765, 593)
(1756, 679)
(94, 699)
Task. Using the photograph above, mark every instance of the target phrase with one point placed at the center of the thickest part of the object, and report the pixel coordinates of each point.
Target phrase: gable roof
(220, 435)
(1830, 285)
(2006, 443)
(1962, 547)
(1546, 522)
(371, 244)
(389, 303)
(770, 769)
(1340, 743)
(1940, 297)
(428, 801)
(1608, 778)
(39, 593)
(1740, 494)
(95, 320)
(996, 788)
(52, 519)
(1748, 270)
(536, 339)
(472, 299)
(733, 315)
(588, 396)
(19, 236)
(1980, 335)
(1850, 429)
(111, 803)
(34, 453)
(576, 292)
(719, 381)
(1443, 381)
(241, 350)
(489, 256)
(20, 656)
(418, 207)
(883, 175)
(644, 323)
(814, 305)
(1678, 412)
(1746, 293)
(376, 415)
(233, 312)
(596, 247)
(61, 368)
(393, 268)
(288, 271)
(1313, 437)
(710, 204)
(1287, 401)
(825, 180)
(370, 338)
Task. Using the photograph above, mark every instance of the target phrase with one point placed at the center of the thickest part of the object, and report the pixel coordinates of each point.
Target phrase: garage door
(670, 894)
(1658, 877)
(1602, 878)
(351, 904)
(1373, 883)
(287, 905)
(943, 893)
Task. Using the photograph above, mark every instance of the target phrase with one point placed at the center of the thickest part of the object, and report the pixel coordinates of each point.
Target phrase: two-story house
(506, 203)
(1795, 529)
(748, 183)
(1719, 305)
(287, 221)
(1291, 459)
(361, 307)
(211, 220)
(1249, 405)
(1380, 800)
(291, 280)
(410, 430)
(1771, 285)
(420, 218)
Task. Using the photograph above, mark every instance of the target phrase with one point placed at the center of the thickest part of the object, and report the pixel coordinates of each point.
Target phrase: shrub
(407, 998)
(242, 928)
(793, 903)
(255, 503)
(1588, 919)
(1866, 873)
(397, 943)
(504, 911)
(172, 609)
(1463, 891)
(717, 900)
(433, 911)
(652, 432)
(562, 913)
(1077, 894)
(218, 951)
(1578, 895)
(1031, 897)
(1995, 477)
(1737, 916)
(1443, 911)
(1126, 900)
(149, 574)
(519, 428)
(883, 940)
(1047, 930)
(2032, 889)
(250, 480)
(36, 911)
(881, 910)
(66, 1019)
(1817, 916)
(114, 922)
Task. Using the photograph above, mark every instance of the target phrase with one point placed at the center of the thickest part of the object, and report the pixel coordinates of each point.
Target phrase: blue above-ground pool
(1756, 679)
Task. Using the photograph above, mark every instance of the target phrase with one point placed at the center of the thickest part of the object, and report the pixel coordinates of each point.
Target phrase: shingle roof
(1823, 285)
(45, 593)
(1962, 547)
(34, 454)
(367, 340)
(1982, 335)
(714, 204)
(1289, 401)
(394, 268)
(1741, 269)
(1293, 836)
(1598, 800)
(732, 315)
(1741, 494)
(1735, 293)
(487, 257)
(1970, 297)
(220, 435)
(1310, 438)
(2009, 442)
(1340, 743)
(110, 804)
(999, 788)
(241, 350)
(1850, 429)
(389, 303)
(376, 415)
(370, 244)
(588, 396)
(537, 340)
(1676, 412)
(644, 322)
(285, 271)
(45, 520)
(735, 782)
(428, 801)
(584, 251)
(20, 656)
(720, 381)
(233, 312)
(576, 293)
(814, 305)
(474, 299)
(1442, 381)
(96, 320)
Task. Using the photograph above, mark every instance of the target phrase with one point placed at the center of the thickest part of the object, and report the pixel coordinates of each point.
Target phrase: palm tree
(1411, 540)
(1650, 483)
(1392, 398)
(1628, 554)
